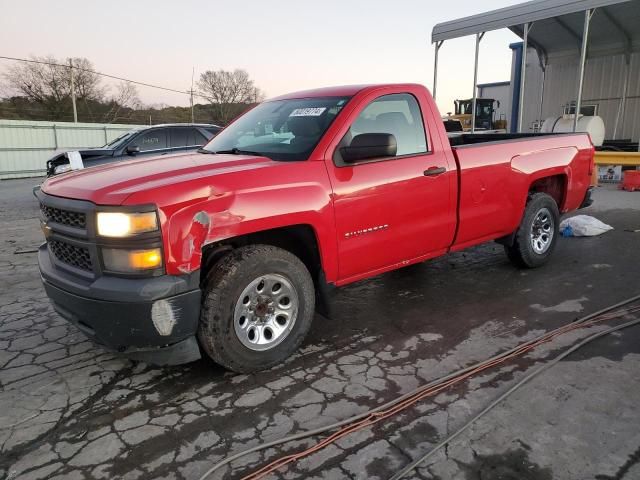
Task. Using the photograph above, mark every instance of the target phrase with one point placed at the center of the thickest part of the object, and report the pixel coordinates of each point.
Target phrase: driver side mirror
(368, 146)
(133, 149)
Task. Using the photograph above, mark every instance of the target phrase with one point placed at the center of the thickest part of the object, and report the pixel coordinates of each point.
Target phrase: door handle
(433, 171)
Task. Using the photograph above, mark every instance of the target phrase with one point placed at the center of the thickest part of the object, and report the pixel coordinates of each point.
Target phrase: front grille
(64, 217)
(78, 257)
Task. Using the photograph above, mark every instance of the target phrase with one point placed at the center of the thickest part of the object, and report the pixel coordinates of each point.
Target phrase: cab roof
(339, 91)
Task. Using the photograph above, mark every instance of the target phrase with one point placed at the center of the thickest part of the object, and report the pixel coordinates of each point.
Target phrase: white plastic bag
(583, 226)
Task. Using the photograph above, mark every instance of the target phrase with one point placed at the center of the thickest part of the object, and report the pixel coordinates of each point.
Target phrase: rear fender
(544, 163)
(536, 166)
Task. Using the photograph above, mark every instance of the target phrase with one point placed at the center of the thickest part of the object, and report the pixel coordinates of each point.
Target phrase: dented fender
(224, 216)
(191, 252)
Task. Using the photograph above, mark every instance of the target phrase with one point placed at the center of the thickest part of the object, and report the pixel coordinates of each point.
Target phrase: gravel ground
(71, 410)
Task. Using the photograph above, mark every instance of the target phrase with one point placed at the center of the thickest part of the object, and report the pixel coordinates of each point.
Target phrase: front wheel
(537, 234)
(258, 304)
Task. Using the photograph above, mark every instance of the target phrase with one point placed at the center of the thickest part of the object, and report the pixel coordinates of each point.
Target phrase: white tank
(594, 126)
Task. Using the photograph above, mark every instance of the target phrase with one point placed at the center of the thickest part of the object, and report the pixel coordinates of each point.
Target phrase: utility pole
(193, 71)
(73, 91)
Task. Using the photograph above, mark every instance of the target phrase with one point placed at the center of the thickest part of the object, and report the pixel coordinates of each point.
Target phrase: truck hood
(111, 184)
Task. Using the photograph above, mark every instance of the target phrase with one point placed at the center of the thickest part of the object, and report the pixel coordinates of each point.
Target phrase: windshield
(280, 130)
(119, 140)
(484, 108)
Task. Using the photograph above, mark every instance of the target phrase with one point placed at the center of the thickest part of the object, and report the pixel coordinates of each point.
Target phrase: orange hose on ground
(430, 391)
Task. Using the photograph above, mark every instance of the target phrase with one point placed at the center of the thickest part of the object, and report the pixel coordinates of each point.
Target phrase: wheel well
(554, 186)
(297, 239)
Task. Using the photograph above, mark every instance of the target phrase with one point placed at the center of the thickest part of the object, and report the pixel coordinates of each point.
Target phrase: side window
(397, 114)
(194, 137)
(179, 137)
(152, 140)
(213, 130)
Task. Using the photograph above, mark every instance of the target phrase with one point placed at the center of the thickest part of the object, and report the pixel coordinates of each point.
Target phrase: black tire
(222, 288)
(522, 253)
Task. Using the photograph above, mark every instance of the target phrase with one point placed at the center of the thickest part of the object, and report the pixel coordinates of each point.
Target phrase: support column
(475, 83)
(435, 69)
(623, 98)
(583, 58)
(544, 78)
(523, 72)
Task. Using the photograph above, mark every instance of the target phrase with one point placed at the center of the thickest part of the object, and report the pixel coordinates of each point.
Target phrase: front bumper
(151, 319)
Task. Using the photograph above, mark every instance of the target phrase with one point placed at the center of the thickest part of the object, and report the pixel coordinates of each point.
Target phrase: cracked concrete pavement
(70, 410)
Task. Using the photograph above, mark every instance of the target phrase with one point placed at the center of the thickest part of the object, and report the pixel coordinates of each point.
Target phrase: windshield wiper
(237, 151)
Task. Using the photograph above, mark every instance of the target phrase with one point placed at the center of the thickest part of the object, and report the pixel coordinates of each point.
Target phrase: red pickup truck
(227, 249)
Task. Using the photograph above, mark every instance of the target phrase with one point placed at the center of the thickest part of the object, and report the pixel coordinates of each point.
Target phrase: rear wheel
(537, 234)
(258, 304)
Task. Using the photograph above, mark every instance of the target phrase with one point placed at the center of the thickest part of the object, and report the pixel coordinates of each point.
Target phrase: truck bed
(496, 172)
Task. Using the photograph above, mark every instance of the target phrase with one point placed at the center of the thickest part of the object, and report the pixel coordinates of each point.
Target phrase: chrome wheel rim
(266, 312)
(542, 230)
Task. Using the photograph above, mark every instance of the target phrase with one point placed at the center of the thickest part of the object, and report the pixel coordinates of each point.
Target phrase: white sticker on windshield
(308, 112)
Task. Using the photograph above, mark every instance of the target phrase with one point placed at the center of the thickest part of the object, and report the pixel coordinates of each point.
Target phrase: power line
(26, 60)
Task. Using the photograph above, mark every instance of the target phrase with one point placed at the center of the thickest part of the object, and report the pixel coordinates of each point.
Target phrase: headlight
(131, 261)
(65, 167)
(117, 224)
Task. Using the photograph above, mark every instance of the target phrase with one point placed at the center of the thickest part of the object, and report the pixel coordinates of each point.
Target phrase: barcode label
(307, 112)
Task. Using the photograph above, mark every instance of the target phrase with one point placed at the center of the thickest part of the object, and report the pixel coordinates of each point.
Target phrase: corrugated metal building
(604, 84)
(25, 146)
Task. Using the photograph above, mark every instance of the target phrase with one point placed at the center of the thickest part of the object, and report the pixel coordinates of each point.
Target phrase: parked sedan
(153, 140)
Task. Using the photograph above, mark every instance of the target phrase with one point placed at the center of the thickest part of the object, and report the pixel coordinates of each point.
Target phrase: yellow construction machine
(485, 114)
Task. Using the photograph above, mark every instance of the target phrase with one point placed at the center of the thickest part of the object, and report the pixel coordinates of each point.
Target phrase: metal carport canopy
(515, 16)
(558, 25)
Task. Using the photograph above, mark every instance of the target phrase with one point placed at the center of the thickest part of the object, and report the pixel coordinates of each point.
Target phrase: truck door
(394, 209)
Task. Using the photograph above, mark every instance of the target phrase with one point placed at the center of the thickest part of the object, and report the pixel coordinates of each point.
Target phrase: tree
(226, 91)
(48, 84)
(124, 103)
(86, 81)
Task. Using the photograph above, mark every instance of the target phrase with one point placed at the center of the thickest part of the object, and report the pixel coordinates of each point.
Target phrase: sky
(285, 45)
